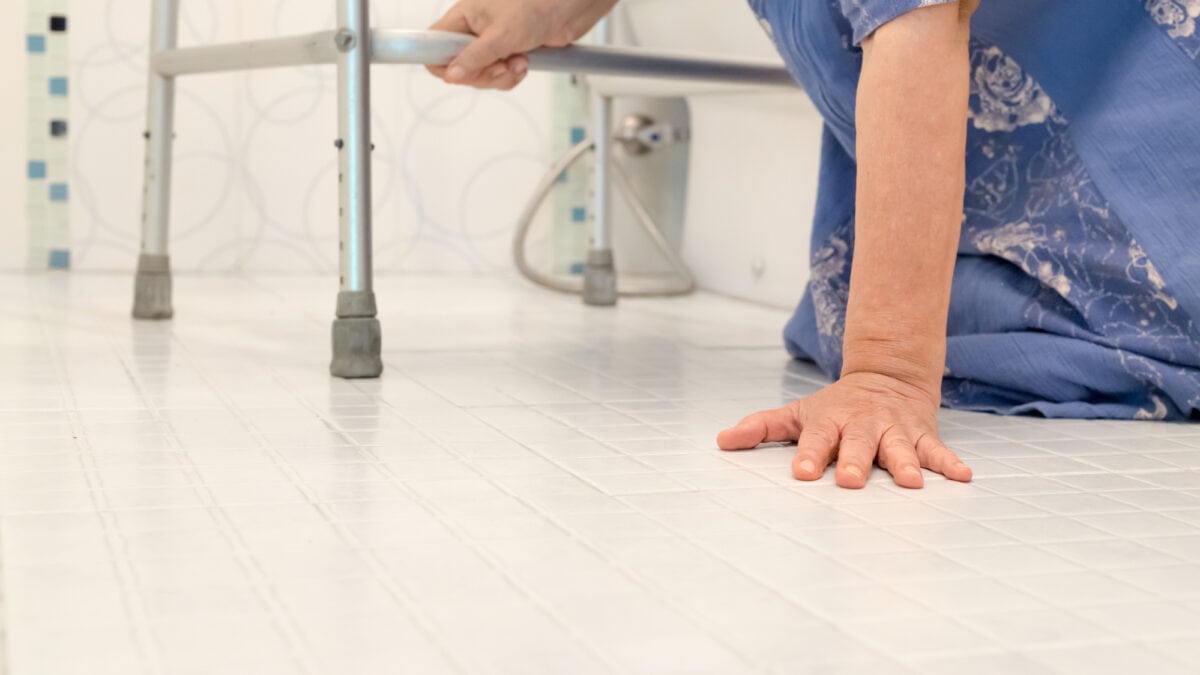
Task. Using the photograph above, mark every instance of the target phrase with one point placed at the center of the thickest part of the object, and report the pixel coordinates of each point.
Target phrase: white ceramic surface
(533, 488)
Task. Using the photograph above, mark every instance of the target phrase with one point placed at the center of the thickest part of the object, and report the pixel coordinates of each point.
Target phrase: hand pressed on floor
(862, 418)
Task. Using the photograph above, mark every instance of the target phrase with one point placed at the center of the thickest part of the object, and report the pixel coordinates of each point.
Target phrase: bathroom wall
(747, 233)
(255, 182)
(255, 173)
(753, 157)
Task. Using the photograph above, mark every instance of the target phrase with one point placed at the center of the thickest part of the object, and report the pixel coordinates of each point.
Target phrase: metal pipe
(353, 41)
(602, 122)
(314, 48)
(160, 132)
(599, 269)
(357, 334)
(425, 47)
(684, 282)
(648, 63)
(439, 48)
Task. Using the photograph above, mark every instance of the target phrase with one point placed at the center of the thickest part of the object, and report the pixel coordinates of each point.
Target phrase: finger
(898, 455)
(856, 456)
(519, 67)
(496, 76)
(454, 21)
(503, 76)
(768, 426)
(937, 457)
(492, 75)
(519, 64)
(506, 81)
(816, 449)
(493, 45)
(510, 81)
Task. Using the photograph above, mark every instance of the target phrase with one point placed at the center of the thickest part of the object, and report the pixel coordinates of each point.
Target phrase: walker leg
(152, 287)
(357, 338)
(599, 272)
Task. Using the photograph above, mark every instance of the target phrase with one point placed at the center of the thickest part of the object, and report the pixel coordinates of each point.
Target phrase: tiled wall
(573, 193)
(47, 166)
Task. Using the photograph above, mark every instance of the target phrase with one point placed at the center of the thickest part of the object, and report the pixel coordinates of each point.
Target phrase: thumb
(769, 426)
(495, 44)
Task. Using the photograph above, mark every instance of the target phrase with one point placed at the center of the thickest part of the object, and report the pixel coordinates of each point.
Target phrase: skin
(506, 30)
(911, 148)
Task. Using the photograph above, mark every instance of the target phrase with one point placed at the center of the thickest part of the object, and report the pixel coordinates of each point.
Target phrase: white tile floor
(533, 488)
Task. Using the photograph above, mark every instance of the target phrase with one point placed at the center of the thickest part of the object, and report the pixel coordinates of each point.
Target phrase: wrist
(920, 363)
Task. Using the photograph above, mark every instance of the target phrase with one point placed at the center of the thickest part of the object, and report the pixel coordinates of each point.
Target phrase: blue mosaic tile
(58, 192)
(36, 170)
(58, 86)
(60, 259)
(35, 44)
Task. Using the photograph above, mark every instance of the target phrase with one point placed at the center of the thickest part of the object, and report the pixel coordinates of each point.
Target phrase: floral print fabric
(1059, 306)
(867, 15)
(1179, 18)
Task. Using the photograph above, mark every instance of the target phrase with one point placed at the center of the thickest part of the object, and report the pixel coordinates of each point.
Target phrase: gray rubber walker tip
(600, 279)
(357, 337)
(152, 288)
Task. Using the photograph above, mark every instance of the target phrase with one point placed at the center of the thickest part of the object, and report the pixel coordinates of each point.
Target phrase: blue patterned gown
(1078, 275)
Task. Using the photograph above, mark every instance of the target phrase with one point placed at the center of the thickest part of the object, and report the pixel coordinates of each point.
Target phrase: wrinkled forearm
(911, 140)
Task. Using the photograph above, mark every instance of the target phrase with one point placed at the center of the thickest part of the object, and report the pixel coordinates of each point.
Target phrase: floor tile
(534, 487)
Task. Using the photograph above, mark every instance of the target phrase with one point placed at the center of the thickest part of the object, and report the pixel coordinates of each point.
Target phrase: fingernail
(912, 471)
(854, 471)
(521, 68)
(807, 466)
(456, 73)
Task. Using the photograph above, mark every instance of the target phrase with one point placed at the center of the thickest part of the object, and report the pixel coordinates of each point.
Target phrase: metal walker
(354, 47)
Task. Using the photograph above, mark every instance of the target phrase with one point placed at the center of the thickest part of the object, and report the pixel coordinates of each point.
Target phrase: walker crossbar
(353, 48)
(435, 48)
